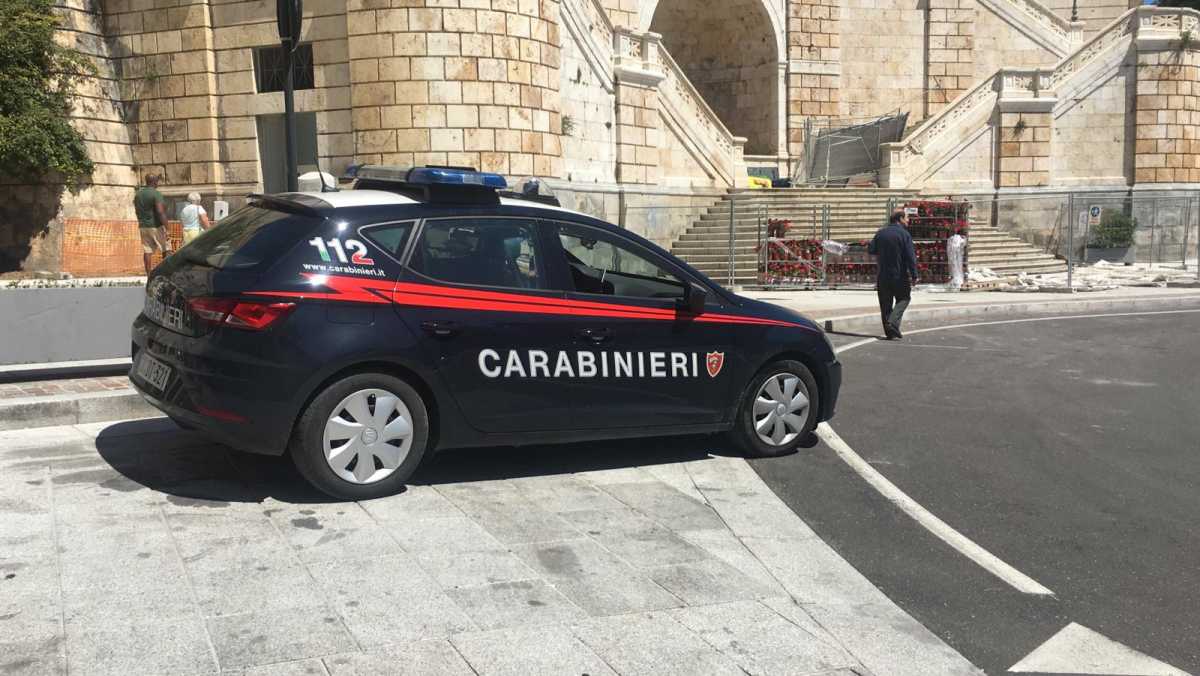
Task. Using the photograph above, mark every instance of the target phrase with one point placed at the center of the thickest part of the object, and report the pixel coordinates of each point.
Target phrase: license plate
(153, 371)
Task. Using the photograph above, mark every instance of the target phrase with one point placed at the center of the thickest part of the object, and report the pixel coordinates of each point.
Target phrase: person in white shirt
(194, 218)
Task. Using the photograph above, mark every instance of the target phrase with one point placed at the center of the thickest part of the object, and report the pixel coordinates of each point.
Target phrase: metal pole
(824, 236)
(1070, 241)
(1153, 227)
(289, 114)
(731, 213)
(1187, 227)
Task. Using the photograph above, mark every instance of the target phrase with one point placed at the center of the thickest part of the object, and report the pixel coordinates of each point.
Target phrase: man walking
(151, 210)
(897, 262)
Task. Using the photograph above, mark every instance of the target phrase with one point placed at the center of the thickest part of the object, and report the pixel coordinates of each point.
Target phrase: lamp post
(288, 15)
(1074, 11)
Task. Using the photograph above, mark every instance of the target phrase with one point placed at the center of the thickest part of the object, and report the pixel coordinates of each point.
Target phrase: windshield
(247, 238)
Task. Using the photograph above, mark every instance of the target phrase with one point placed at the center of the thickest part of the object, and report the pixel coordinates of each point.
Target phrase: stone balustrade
(1025, 98)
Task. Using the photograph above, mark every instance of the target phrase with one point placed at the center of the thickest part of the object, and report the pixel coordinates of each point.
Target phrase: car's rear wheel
(362, 437)
(778, 410)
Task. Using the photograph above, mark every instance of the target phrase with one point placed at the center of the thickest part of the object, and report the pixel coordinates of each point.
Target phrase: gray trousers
(894, 297)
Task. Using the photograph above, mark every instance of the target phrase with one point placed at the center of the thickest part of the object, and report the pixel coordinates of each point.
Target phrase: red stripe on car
(352, 289)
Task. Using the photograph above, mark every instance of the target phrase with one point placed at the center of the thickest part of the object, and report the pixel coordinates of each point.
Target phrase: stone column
(814, 51)
(949, 57)
(1024, 132)
(474, 87)
(636, 76)
(1167, 147)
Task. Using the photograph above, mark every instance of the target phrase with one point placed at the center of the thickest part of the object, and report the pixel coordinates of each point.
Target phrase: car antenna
(321, 176)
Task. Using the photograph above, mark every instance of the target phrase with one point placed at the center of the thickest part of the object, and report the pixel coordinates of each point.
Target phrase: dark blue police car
(363, 329)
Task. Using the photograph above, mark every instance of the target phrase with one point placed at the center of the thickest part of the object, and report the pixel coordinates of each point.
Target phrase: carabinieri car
(361, 330)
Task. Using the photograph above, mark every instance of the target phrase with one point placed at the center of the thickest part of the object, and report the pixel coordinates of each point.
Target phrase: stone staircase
(854, 214)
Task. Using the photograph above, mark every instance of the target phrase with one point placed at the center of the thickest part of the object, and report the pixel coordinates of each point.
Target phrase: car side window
(391, 237)
(499, 252)
(601, 265)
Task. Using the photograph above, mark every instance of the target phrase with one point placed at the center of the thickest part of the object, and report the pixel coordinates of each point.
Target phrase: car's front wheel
(778, 410)
(362, 437)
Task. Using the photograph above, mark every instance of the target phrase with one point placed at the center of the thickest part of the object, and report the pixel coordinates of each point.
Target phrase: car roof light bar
(432, 175)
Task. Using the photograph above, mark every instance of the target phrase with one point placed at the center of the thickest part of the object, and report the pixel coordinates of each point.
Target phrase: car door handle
(442, 329)
(595, 335)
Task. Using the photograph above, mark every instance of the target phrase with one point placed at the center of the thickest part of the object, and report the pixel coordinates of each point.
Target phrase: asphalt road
(1068, 448)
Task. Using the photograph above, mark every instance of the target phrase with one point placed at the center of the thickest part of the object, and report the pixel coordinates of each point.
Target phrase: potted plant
(1112, 240)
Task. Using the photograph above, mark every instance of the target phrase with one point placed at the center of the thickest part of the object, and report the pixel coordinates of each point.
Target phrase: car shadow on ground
(190, 469)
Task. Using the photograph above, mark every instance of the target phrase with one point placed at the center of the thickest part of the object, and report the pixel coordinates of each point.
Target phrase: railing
(641, 55)
(1062, 34)
(588, 23)
(1116, 32)
(680, 91)
(1152, 20)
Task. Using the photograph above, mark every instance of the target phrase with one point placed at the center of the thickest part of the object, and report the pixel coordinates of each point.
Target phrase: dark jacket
(894, 248)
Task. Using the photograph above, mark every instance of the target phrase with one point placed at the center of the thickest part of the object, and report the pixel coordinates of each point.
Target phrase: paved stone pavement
(137, 548)
(42, 388)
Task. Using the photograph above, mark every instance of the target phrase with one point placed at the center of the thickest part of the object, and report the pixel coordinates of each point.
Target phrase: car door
(657, 365)
(476, 288)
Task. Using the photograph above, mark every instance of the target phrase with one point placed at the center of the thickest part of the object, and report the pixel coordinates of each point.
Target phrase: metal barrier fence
(1158, 229)
(737, 241)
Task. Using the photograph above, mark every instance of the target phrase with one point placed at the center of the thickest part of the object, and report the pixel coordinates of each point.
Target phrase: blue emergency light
(432, 176)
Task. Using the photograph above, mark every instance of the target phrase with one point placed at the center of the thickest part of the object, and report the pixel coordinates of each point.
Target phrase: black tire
(743, 433)
(308, 443)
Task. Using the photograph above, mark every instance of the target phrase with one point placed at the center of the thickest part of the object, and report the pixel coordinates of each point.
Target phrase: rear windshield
(248, 238)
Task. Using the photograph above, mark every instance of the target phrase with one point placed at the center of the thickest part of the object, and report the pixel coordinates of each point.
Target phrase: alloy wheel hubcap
(368, 436)
(781, 409)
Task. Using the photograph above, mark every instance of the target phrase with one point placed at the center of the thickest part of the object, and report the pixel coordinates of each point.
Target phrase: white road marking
(941, 529)
(1079, 650)
(964, 545)
(871, 341)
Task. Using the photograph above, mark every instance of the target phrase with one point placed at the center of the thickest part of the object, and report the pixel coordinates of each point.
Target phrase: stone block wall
(997, 44)
(242, 26)
(473, 84)
(588, 122)
(164, 56)
(638, 134)
(814, 52)
(882, 58)
(951, 59)
(1092, 139)
(1168, 116)
(1024, 149)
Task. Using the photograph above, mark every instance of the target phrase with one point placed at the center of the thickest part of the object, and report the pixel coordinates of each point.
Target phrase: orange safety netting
(101, 248)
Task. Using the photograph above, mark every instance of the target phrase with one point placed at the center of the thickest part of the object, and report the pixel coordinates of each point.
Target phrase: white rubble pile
(1101, 276)
(74, 283)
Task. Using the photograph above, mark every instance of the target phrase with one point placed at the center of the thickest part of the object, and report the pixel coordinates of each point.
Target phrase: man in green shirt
(151, 212)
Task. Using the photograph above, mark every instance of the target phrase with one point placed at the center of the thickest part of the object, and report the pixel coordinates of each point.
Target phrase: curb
(870, 322)
(73, 409)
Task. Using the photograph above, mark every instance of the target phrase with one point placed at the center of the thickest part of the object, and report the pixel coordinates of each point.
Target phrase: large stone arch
(734, 52)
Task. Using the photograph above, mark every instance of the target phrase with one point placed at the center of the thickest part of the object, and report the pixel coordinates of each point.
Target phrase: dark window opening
(270, 73)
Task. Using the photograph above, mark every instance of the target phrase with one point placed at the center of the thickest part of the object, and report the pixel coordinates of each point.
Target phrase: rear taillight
(239, 314)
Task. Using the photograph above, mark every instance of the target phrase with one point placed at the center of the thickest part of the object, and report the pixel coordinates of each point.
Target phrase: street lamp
(1074, 11)
(288, 14)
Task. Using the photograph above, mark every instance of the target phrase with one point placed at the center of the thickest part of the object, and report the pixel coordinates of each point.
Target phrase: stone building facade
(628, 104)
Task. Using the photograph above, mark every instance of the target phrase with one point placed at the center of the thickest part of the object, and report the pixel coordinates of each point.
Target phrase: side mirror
(694, 298)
